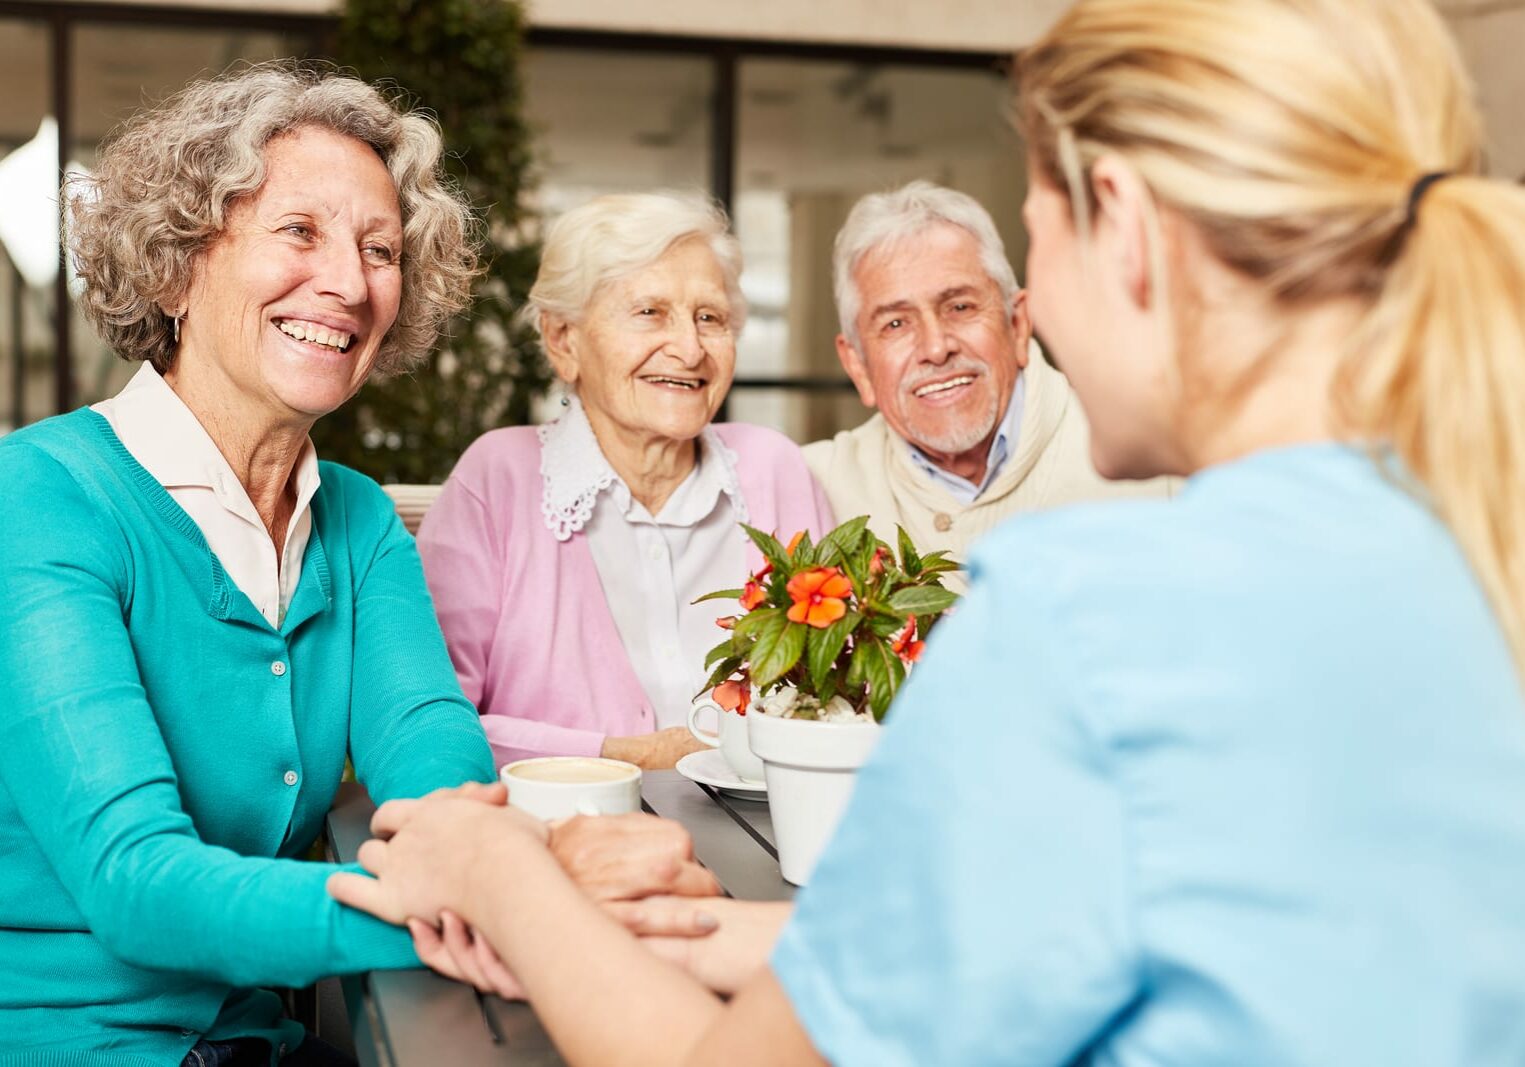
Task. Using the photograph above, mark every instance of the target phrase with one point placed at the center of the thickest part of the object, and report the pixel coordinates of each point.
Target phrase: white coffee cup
(558, 787)
(730, 738)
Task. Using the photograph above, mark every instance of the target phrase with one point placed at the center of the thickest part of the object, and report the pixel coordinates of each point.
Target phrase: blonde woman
(1234, 779)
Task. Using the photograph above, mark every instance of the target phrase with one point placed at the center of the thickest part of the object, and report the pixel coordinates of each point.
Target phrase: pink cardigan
(524, 615)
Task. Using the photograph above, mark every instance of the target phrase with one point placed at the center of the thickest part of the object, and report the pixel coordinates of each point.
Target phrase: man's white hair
(614, 235)
(893, 218)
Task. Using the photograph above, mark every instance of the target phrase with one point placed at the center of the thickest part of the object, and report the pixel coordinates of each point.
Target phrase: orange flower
(751, 596)
(905, 644)
(794, 542)
(733, 696)
(817, 595)
(876, 565)
(727, 622)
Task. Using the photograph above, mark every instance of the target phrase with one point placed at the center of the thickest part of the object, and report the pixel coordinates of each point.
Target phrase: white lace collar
(574, 472)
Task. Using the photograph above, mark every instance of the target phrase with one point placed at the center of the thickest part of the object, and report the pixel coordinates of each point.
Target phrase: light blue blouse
(1235, 779)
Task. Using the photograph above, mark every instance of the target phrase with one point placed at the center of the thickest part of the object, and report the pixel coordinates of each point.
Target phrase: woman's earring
(566, 401)
(175, 327)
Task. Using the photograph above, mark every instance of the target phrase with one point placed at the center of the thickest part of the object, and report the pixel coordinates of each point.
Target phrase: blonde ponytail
(1290, 133)
(1441, 376)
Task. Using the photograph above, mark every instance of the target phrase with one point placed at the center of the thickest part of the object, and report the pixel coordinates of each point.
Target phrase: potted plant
(825, 637)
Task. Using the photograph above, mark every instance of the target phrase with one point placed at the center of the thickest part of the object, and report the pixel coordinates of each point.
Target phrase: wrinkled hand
(427, 852)
(659, 751)
(458, 952)
(624, 857)
(721, 942)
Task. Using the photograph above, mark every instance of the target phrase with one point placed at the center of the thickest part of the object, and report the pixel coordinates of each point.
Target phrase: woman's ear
(1124, 233)
(556, 338)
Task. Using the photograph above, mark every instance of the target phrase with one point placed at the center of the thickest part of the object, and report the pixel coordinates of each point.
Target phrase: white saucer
(710, 768)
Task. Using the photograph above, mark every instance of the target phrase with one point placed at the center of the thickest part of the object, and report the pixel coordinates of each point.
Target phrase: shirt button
(942, 521)
(655, 553)
(290, 778)
(277, 668)
(282, 1050)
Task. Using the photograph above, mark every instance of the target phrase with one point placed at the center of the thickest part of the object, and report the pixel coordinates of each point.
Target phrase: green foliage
(460, 59)
(862, 656)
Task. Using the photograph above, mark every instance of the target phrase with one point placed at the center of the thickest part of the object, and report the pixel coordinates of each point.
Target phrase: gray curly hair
(166, 179)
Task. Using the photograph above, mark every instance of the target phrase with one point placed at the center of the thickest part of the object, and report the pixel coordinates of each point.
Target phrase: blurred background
(786, 112)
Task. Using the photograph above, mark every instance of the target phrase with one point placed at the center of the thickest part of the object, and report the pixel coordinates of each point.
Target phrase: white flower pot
(810, 768)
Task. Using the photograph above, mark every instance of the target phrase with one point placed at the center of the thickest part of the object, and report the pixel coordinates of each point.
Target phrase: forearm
(514, 738)
(649, 1012)
(423, 753)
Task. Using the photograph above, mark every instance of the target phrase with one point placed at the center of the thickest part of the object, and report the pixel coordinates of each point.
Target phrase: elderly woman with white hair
(564, 559)
(201, 619)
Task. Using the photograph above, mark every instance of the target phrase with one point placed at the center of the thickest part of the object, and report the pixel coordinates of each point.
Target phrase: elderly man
(973, 424)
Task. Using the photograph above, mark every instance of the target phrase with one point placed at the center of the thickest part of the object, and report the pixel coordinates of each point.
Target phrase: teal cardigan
(166, 757)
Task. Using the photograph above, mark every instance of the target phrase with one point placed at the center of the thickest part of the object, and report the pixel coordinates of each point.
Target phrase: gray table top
(404, 1018)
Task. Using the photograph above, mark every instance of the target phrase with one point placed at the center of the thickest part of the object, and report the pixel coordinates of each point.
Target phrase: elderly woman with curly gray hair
(202, 619)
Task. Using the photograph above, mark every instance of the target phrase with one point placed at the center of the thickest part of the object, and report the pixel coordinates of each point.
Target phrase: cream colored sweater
(869, 471)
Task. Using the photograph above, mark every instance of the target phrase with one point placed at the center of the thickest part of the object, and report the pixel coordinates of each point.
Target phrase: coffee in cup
(558, 787)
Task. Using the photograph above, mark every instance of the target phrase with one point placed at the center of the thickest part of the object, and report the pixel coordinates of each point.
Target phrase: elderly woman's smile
(291, 304)
(656, 350)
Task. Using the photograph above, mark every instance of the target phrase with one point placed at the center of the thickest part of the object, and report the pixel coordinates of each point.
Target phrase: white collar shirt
(167, 439)
(651, 567)
(1006, 435)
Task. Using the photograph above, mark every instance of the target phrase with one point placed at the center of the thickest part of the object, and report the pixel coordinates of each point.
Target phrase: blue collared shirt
(962, 489)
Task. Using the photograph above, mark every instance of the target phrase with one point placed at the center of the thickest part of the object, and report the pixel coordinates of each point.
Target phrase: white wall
(1492, 37)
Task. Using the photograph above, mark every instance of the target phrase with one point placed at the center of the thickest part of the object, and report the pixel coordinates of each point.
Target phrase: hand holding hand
(624, 857)
(427, 854)
(721, 942)
(458, 952)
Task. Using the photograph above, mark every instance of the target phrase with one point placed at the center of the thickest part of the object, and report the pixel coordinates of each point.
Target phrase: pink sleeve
(463, 565)
(462, 550)
(513, 738)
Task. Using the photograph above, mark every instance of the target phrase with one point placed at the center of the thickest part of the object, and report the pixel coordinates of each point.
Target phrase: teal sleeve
(83, 759)
(975, 905)
(411, 728)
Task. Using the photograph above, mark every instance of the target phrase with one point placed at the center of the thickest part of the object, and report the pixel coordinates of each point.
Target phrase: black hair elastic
(1417, 191)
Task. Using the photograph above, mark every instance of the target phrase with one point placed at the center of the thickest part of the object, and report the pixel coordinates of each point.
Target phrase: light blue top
(1235, 779)
(1001, 448)
(167, 757)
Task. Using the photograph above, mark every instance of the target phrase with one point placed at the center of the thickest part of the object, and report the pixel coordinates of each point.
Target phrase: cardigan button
(942, 521)
(277, 668)
(290, 778)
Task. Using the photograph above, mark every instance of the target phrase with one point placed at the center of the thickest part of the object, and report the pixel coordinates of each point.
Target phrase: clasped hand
(430, 859)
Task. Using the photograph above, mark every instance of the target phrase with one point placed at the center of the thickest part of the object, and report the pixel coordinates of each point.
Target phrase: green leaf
(910, 562)
(840, 543)
(923, 600)
(778, 648)
(804, 555)
(855, 679)
(882, 670)
(754, 621)
(719, 652)
(823, 646)
(723, 670)
(719, 594)
(769, 546)
(931, 567)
